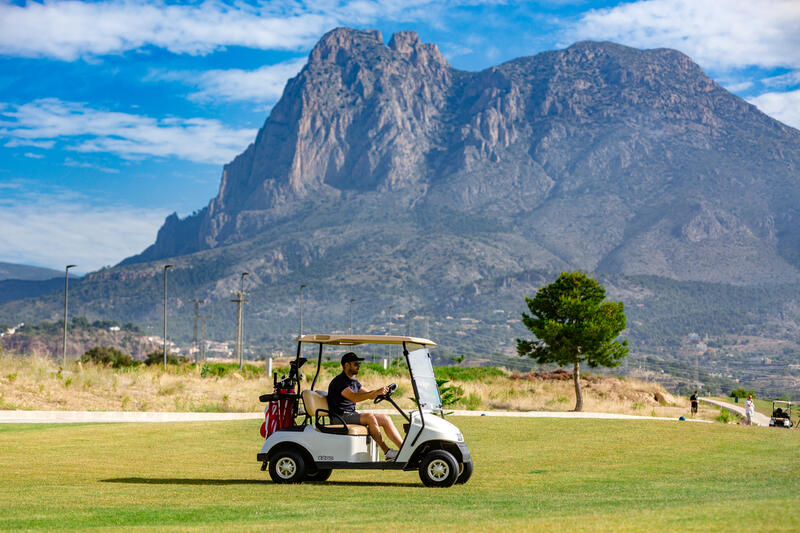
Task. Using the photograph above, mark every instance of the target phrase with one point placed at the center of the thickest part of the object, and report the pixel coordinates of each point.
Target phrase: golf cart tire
(321, 474)
(466, 473)
(287, 466)
(438, 469)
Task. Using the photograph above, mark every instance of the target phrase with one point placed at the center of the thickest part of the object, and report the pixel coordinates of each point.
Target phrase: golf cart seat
(316, 403)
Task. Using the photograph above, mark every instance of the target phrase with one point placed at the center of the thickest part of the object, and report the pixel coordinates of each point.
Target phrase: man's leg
(369, 420)
(391, 431)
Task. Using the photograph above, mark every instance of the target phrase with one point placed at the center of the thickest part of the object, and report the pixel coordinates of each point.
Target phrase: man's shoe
(391, 454)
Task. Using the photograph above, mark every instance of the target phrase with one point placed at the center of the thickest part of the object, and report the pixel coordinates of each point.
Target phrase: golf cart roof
(352, 340)
(783, 401)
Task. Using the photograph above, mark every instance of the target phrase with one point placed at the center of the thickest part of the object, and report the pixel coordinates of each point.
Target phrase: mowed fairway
(530, 474)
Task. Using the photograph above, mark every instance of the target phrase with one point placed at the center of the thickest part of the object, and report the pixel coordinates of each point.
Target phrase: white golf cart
(781, 414)
(322, 442)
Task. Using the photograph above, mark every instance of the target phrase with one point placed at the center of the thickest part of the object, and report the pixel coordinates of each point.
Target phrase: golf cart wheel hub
(286, 468)
(438, 469)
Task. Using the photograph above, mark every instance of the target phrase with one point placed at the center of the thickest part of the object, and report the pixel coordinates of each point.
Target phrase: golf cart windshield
(419, 362)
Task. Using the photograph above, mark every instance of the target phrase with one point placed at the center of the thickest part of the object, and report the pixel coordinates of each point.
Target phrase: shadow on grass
(201, 481)
(182, 481)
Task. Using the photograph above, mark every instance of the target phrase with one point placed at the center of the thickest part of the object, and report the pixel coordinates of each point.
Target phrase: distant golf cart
(322, 442)
(781, 414)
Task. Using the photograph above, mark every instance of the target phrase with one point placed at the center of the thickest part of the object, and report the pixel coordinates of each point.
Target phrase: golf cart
(322, 442)
(781, 414)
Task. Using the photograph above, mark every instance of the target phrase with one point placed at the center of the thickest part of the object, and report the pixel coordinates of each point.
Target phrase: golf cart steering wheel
(386, 396)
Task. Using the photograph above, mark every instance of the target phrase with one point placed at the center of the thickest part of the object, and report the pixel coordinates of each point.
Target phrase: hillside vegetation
(39, 383)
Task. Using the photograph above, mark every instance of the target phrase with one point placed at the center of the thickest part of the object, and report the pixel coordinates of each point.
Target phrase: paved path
(758, 418)
(77, 417)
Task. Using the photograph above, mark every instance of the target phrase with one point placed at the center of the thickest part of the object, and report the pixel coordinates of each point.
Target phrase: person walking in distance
(693, 399)
(749, 410)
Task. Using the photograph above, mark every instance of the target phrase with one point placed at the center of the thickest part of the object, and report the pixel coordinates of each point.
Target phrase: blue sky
(114, 114)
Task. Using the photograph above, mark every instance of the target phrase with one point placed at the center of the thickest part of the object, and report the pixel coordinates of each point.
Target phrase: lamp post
(241, 319)
(66, 291)
(166, 267)
(389, 327)
(351, 314)
(301, 308)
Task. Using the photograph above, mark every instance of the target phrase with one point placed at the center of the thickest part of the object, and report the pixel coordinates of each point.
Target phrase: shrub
(157, 358)
(742, 393)
(473, 373)
(724, 416)
(108, 355)
(472, 401)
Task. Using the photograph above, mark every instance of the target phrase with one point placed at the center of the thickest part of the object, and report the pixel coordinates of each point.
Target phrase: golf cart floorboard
(344, 465)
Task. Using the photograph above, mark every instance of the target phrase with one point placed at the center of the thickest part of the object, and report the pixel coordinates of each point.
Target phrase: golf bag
(283, 402)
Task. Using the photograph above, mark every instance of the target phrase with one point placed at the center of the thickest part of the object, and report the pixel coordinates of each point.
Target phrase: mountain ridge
(538, 141)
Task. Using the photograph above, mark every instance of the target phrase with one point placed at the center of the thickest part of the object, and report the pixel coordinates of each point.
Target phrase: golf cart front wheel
(465, 474)
(287, 467)
(438, 469)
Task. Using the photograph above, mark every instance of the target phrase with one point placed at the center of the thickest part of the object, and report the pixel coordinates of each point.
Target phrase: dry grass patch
(38, 382)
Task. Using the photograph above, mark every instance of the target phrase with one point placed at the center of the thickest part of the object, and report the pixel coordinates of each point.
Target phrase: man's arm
(362, 395)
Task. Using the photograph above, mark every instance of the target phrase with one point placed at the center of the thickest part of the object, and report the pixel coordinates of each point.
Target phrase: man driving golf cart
(344, 391)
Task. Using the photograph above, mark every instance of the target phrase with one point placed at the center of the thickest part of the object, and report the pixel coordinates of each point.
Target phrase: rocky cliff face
(598, 157)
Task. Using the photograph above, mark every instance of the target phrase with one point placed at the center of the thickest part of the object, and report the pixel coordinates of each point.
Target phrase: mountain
(386, 176)
(28, 272)
(598, 157)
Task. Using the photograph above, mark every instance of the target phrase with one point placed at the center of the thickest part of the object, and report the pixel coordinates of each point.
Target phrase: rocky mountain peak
(344, 40)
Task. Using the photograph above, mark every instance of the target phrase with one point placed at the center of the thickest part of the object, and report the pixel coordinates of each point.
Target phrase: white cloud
(126, 135)
(69, 30)
(31, 155)
(14, 143)
(782, 106)
(58, 228)
(265, 84)
(82, 164)
(731, 34)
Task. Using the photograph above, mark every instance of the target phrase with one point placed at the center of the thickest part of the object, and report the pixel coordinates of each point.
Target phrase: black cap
(349, 357)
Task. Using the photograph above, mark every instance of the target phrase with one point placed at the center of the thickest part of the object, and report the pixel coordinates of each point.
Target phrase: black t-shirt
(337, 403)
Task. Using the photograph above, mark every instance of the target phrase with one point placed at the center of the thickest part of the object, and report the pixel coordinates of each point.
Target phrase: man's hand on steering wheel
(386, 393)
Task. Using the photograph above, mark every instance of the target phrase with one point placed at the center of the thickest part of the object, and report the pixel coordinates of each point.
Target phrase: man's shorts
(352, 418)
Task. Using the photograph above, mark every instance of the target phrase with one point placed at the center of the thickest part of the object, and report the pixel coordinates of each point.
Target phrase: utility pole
(301, 308)
(409, 317)
(166, 267)
(196, 317)
(66, 292)
(351, 314)
(240, 301)
(203, 341)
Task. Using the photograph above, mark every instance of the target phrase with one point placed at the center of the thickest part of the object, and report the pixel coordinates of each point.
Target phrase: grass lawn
(530, 474)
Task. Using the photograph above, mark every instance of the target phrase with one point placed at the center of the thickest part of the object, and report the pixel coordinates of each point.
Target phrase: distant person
(345, 391)
(749, 410)
(693, 399)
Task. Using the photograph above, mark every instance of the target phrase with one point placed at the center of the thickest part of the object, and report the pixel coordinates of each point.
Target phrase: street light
(241, 321)
(301, 308)
(166, 267)
(351, 314)
(66, 290)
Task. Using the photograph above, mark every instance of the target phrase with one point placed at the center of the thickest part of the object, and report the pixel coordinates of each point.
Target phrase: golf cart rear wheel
(466, 473)
(287, 467)
(438, 469)
(321, 474)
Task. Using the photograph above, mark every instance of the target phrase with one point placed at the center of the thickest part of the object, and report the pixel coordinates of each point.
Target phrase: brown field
(38, 383)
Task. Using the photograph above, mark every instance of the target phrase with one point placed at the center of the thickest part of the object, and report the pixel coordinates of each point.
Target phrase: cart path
(758, 418)
(81, 417)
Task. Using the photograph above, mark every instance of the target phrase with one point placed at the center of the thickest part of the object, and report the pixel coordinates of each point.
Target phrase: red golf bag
(279, 413)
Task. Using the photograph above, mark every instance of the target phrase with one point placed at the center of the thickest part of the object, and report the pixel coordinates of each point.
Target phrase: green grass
(530, 474)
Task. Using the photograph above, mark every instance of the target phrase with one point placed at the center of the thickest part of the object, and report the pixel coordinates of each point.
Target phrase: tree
(573, 324)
